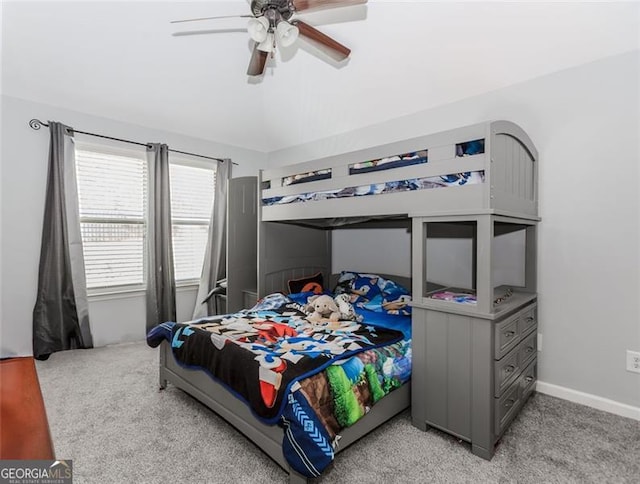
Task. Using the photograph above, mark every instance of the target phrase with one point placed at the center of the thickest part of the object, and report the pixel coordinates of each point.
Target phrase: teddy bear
(323, 307)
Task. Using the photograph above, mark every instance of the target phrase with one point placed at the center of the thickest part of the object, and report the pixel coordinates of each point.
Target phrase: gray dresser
(474, 364)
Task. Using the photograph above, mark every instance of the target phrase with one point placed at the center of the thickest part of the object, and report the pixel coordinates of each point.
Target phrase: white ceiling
(121, 60)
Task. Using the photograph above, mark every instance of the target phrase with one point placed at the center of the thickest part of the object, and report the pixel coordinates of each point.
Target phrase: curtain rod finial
(36, 124)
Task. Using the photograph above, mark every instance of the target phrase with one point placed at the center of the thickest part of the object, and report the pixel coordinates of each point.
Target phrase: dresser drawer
(507, 406)
(528, 349)
(528, 379)
(506, 335)
(528, 319)
(506, 371)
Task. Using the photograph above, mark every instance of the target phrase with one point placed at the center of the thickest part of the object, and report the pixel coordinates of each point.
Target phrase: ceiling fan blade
(257, 62)
(208, 18)
(207, 32)
(333, 48)
(302, 5)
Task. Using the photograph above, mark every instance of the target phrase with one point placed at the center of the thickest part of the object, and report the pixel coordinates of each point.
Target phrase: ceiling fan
(270, 23)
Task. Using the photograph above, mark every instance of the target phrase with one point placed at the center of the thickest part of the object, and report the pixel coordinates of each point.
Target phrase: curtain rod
(37, 124)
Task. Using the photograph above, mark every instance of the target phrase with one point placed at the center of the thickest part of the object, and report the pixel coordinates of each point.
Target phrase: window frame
(107, 148)
(186, 160)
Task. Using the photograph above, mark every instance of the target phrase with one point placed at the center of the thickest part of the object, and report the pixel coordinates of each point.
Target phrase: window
(192, 194)
(112, 200)
(112, 194)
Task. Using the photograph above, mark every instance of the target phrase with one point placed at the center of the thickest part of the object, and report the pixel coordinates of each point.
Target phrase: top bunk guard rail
(502, 178)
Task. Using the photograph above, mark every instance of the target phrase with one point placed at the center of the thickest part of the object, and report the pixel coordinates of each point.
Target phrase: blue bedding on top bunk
(323, 174)
(397, 161)
(469, 148)
(450, 180)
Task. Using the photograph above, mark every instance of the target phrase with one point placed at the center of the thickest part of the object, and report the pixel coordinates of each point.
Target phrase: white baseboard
(589, 400)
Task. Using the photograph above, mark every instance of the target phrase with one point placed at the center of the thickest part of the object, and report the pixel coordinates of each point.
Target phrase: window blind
(192, 198)
(112, 201)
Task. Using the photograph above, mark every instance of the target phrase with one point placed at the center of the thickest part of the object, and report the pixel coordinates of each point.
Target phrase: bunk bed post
(418, 238)
(489, 178)
(260, 241)
(481, 387)
(162, 377)
(474, 256)
(531, 259)
(484, 259)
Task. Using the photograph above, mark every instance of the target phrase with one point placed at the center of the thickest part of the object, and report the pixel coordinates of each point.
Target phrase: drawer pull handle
(528, 379)
(530, 319)
(529, 349)
(509, 369)
(509, 403)
(509, 334)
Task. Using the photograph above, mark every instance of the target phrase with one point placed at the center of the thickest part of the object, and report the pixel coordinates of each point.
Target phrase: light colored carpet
(106, 413)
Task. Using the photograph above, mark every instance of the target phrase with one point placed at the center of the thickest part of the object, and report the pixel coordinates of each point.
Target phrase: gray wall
(388, 251)
(584, 122)
(382, 251)
(114, 318)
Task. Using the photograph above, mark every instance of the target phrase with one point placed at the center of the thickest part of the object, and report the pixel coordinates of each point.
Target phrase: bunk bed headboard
(290, 251)
(513, 177)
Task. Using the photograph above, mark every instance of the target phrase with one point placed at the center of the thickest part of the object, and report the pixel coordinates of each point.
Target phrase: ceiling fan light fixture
(258, 29)
(268, 44)
(273, 21)
(287, 33)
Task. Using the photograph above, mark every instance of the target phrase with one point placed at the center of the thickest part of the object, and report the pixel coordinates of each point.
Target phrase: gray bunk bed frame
(293, 240)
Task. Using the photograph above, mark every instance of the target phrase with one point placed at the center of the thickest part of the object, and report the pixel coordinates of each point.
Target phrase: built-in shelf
(517, 299)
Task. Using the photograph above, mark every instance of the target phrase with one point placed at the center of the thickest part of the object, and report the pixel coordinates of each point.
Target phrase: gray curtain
(61, 314)
(161, 283)
(214, 266)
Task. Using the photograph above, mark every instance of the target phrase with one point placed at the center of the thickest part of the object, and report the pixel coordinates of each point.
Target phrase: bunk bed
(483, 176)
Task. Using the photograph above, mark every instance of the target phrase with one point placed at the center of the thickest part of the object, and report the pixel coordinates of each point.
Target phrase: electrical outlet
(539, 341)
(633, 361)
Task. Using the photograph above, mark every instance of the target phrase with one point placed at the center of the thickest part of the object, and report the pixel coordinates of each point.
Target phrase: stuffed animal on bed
(347, 312)
(323, 307)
